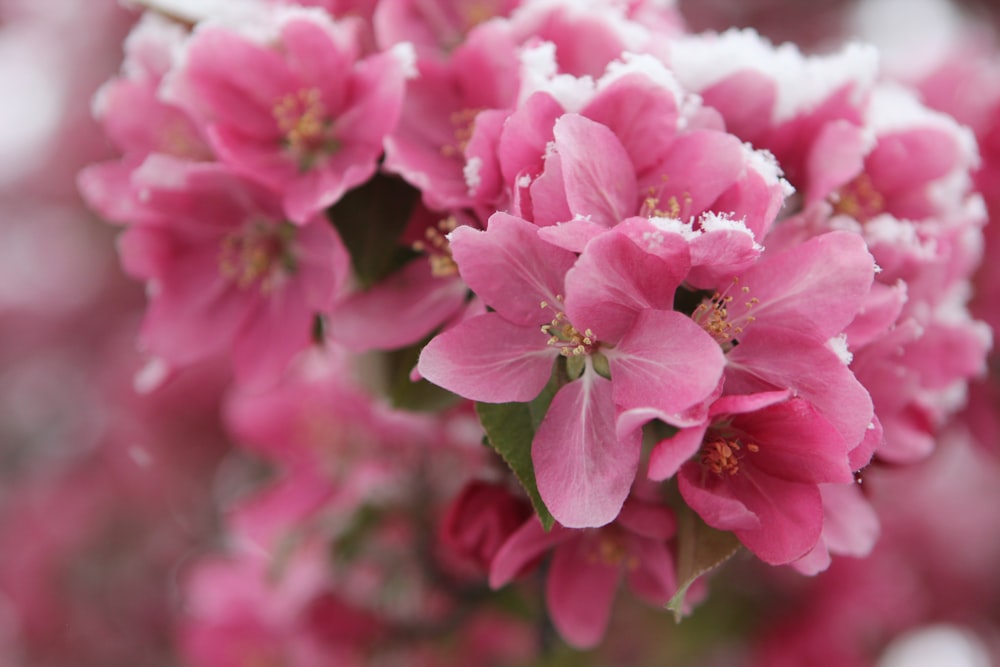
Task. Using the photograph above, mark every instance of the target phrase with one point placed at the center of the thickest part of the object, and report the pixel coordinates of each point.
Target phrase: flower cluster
(689, 288)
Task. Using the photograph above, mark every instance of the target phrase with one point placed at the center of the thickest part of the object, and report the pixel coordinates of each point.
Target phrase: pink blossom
(437, 28)
(760, 462)
(302, 114)
(137, 121)
(225, 271)
(587, 566)
(448, 112)
(657, 161)
(480, 520)
(615, 320)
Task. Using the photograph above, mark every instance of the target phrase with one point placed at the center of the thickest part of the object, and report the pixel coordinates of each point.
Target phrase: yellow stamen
(723, 456)
(438, 249)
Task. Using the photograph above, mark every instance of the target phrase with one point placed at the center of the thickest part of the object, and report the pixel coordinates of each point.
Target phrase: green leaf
(510, 428)
(420, 396)
(370, 219)
(700, 549)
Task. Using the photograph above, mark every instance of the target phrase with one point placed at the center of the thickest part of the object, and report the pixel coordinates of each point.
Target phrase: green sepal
(700, 549)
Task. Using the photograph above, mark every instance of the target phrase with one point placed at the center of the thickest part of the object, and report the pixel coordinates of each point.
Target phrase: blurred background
(107, 493)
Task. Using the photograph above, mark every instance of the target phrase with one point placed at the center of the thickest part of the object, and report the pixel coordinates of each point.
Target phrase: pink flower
(137, 121)
(615, 320)
(436, 28)
(302, 114)
(480, 519)
(587, 566)
(449, 110)
(225, 271)
(760, 461)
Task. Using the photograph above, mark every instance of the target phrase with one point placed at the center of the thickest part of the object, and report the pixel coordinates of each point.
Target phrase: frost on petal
(489, 359)
(584, 471)
(511, 268)
(666, 362)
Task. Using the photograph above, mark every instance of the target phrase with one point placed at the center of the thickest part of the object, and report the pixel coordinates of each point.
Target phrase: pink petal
(652, 577)
(746, 99)
(714, 500)
(772, 358)
(489, 359)
(741, 403)
(614, 279)
(700, 166)
(850, 525)
(572, 235)
(655, 522)
(666, 362)
(583, 471)
(643, 116)
(237, 81)
(548, 194)
(599, 176)
(791, 517)
(879, 310)
(526, 134)
(398, 311)
(580, 591)
(815, 288)
(796, 443)
(670, 454)
(512, 269)
(836, 157)
(523, 548)
(275, 331)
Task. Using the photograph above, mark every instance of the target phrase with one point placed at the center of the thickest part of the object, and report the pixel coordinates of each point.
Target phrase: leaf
(700, 549)
(510, 428)
(370, 219)
(420, 396)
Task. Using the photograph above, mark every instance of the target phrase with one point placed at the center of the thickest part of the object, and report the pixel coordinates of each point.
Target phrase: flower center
(302, 119)
(655, 205)
(462, 123)
(714, 316)
(259, 254)
(859, 199)
(608, 548)
(438, 249)
(566, 338)
(722, 456)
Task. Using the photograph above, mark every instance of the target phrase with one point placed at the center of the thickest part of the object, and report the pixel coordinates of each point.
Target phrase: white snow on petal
(839, 346)
(802, 82)
(471, 173)
(539, 72)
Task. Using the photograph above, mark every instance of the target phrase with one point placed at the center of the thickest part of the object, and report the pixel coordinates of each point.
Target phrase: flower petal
(580, 591)
(598, 173)
(583, 471)
(511, 268)
(489, 359)
(666, 362)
